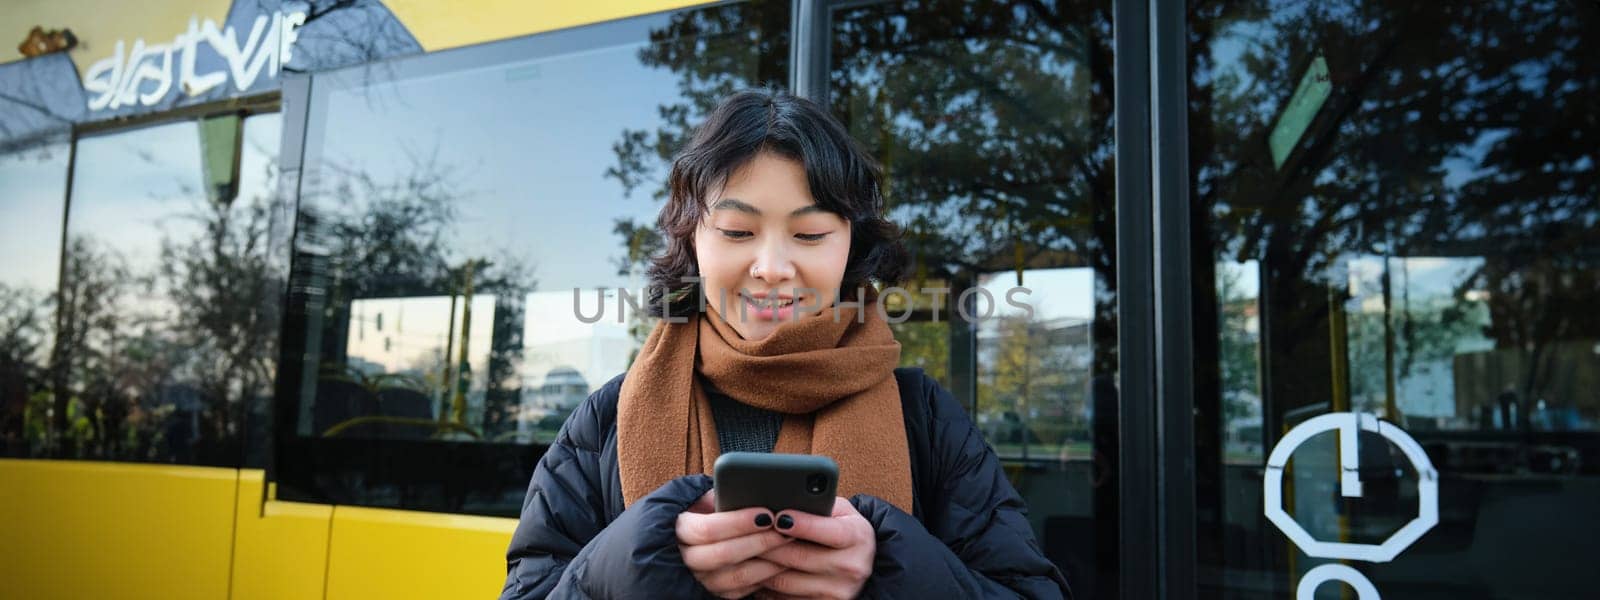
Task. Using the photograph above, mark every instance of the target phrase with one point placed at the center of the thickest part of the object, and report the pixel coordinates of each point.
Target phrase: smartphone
(775, 481)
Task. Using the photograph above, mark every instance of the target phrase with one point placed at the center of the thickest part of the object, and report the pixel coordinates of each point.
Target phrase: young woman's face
(765, 243)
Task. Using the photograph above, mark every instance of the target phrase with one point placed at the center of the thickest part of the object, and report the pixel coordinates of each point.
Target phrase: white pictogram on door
(1348, 424)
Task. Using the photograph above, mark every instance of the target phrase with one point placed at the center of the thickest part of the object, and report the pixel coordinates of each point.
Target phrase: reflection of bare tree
(158, 361)
(88, 325)
(1035, 390)
(23, 332)
(714, 52)
(1237, 347)
(988, 123)
(371, 236)
(227, 292)
(345, 33)
(985, 118)
(1452, 130)
(1535, 305)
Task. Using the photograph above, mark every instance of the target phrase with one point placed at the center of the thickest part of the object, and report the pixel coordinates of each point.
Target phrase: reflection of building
(559, 348)
(1489, 388)
(545, 404)
(562, 389)
(1037, 374)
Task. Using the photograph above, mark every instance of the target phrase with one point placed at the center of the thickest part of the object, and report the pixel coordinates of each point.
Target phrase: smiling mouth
(769, 302)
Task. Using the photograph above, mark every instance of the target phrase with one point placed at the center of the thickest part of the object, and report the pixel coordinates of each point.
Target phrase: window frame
(244, 108)
(1154, 524)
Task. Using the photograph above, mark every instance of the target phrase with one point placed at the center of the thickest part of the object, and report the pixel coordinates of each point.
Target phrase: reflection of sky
(554, 337)
(129, 186)
(258, 158)
(402, 334)
(1421, 285)
(552, 317)
(529, 150)
(132, 189)
(1053, 293)
(33, 186)
(1248, 274)
(1424, 278)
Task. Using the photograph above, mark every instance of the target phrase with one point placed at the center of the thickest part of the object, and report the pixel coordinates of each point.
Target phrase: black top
(741, 427)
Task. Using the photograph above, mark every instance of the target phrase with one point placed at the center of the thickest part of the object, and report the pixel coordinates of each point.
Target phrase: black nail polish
(785, 521)
(763, 520)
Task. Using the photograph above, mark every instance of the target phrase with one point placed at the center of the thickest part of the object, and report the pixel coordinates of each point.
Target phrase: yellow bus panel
(397, 554)
(438, 25)
(280, 548)
(76, 530)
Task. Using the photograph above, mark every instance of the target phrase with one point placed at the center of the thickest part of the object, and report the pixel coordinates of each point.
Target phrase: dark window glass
(260, 220)
(993, 124)
(1397, 205)
(164, 339)
(33, 190)
(452, 207)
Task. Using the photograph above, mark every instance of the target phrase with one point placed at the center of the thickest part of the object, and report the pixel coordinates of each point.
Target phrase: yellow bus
(1253, 299)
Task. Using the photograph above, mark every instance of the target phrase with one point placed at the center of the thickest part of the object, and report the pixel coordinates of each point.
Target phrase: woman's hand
(831, 557)
(721, 549)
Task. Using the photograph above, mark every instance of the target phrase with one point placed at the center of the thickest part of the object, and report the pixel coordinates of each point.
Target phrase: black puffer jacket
(968, 536)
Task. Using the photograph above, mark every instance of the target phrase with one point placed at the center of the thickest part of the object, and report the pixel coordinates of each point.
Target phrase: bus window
(1399, 202)
(471, 237)
(32, 191)
(162, 348)
(993, 124)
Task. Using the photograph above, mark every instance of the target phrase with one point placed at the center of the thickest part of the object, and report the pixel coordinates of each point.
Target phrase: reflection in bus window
(1035, 364)
(992, 123)
(414, 361)
(1238, 352)
(497, 179)
(162, 350)
(32, 192)
(1400, 201)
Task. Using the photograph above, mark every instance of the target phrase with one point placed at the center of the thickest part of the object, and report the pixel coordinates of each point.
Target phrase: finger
(705, 505)
(695, 528)
(716, 555)
(801, 556)
(833, 532)
(745, 577)
(843, 508)
(808, 585)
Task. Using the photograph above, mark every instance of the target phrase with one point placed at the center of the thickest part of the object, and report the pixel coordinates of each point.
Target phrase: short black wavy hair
(843, 178)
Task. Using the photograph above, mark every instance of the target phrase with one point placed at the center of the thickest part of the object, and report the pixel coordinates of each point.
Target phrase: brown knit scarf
(833, 380)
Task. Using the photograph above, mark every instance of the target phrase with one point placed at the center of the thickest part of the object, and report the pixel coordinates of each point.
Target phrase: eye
(734, 234)
(811, 237)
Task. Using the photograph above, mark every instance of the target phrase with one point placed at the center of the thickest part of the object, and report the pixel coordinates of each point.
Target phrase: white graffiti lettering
(115, 81)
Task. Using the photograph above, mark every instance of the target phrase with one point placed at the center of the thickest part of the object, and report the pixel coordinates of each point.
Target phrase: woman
(771, 340)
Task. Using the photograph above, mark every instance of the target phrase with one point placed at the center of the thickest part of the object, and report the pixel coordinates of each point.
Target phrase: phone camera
(816, 483)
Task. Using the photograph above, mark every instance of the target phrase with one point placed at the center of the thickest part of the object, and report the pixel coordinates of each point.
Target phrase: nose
(772, 264)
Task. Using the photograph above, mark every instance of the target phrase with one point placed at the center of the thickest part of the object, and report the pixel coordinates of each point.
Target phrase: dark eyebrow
(744, 207)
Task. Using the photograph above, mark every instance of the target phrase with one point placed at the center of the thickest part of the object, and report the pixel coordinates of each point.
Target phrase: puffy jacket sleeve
(564, 546)
(563, 509)
(974, 540)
